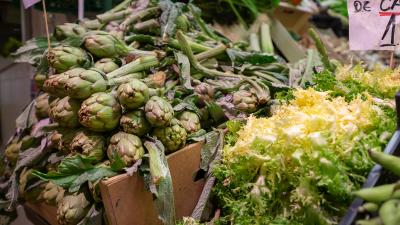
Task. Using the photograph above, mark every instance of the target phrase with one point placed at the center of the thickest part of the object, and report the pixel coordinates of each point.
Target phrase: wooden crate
(126, 200)
(294, 18)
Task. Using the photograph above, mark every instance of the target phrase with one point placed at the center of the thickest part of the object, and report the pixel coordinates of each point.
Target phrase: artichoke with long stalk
(63, 58)
(133, 95)
(127, 146)
(173, 137)
(135, 123)
(64, 111)
(100, 112)
(72, 209)
(158, 111)
(90, 144)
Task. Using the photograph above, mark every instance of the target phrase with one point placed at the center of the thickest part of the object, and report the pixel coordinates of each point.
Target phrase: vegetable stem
(140, 64)
(266, 41)
(321, 49)
(255, 42)
(211, 53)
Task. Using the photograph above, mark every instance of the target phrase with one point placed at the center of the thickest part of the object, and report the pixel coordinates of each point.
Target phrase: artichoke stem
(124, 79)
(138, 16)
(140, 64)
(211, 53)
(268, 77)
(108, 17)
(196, 47)
(146, 25)
(121, 6)
(266, 42)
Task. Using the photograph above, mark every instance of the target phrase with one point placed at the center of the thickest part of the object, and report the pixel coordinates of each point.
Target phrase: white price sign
(374, 24)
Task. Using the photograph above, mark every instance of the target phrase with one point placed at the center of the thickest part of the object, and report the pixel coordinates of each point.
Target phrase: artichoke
(127, 146)
(39, 79)
(89, 144)
(245, 101)
(52, 193)
(65, 112)
(133, 95)
(42, 106)
(83, 83)
(156, 80)
(67, 30)
(61, 139)
(34, 193)
(55, 85)
(100, 112)
(104, 45)
(72, 209)
(173, 137)
(135, 123)
(106, 65)
(190, 121)
(205, 92)
(12, 152)
(63, 58)
(158, 111)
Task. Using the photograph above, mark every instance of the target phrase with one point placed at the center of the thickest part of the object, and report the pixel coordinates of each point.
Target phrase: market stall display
(148, 97)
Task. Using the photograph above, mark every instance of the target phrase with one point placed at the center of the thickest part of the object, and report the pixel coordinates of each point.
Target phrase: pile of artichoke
(142, 70)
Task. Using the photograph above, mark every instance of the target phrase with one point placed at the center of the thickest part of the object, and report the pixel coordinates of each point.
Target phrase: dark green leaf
(254, 58)
(117, 163)
(216, 112)
(75, 171)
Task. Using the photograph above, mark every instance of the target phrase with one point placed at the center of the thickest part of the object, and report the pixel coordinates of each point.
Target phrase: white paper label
(374, 24)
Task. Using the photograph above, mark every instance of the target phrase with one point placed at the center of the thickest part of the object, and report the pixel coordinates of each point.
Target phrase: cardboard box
(294, 18)
(127, 202)
(41, 214)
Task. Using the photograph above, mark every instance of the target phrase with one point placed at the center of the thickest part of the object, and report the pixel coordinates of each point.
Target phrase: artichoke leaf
(161, 177)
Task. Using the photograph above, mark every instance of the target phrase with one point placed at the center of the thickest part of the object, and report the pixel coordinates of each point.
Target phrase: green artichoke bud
(39, 79)
(158, 111)
(34, 194)
(205, 92)
(89, 144)
(133, 95)
(190, 121)
(84, 83)
(67, 30)
(127, 146)
(42, 107)
(100, 112)
(156, 80)
(135, 123)
(55, 85)
(104, 45)
(12, 152)
(72, 209)
(245, 101)
(173, 137)
(65, 112)
(106, 65)
(61, 139)
(52, 194)
(63, 58)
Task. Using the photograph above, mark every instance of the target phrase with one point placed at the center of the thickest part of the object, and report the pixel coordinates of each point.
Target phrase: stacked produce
(114, 87)
(382, 202)
(300, 165)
